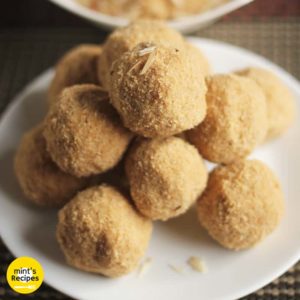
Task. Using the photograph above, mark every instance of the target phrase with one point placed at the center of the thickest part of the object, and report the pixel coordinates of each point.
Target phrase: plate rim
(184, 24)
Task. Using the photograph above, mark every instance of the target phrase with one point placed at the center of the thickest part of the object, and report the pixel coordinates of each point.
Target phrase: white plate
(30, 231)
(184, 24)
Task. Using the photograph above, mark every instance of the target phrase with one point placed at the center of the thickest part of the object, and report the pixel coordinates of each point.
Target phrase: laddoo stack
(146, 103)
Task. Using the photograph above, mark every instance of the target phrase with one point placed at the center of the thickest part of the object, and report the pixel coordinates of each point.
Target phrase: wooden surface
(268, 8)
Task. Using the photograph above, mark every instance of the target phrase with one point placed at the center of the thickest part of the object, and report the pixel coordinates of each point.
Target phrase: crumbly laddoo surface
(127, 38)
(236, 120)
(281, 106)
(242, 204)
(42, 182)
(77, 66)
(165, 176)
(200, 62)
(84, 133)
(99, 231)
(114, 177)
(157, 90)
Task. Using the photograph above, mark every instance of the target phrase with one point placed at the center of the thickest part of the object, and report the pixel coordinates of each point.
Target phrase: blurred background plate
(184, 25)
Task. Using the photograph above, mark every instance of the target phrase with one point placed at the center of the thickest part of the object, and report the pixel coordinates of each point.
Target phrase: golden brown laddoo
(42, 182)
(127, 38)
(236, 120)
(151, 92)
(165, 176)
(115, 177)
(200, 62)
(99, 231)
(77, 66)
(83, 132)
(242, 204)
(281, 109)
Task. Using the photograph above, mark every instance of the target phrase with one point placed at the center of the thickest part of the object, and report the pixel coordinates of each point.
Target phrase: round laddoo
(165, 176)
(77, 66)
(151, 92)
(281, 108)
(83, 132)
(115, 177)
(200, 62)
(42, 182)
(242, 204)
(236, 120)
(127, 38)
(99, 231)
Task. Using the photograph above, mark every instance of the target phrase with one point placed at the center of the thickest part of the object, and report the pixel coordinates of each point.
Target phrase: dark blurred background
(16, 13)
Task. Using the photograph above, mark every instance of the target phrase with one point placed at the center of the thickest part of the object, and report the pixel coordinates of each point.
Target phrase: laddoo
(99, 231)
(281, 108)
(165, 176)
(83, 132)
(151, 92)
(77, 66)
(115, 177)
(242, 204)
(42, 182)
(236, 120)
(200, 62)
(127, 38)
